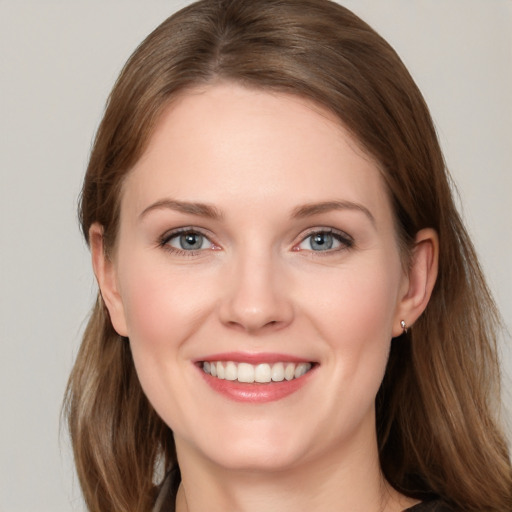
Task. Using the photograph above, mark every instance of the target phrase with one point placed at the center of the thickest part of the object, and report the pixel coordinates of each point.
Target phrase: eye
(186, 241)
(325, 240)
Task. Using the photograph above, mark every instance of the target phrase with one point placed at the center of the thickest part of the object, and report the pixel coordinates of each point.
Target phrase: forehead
(225, 140)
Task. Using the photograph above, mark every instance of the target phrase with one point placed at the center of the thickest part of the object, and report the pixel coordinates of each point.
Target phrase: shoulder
(430, 506)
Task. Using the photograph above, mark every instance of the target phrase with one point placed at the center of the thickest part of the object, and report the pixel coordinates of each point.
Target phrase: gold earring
(403, 325)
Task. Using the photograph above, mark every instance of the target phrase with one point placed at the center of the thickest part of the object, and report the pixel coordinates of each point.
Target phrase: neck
(345, 480)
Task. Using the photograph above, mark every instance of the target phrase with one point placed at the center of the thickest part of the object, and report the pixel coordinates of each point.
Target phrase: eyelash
(346, 241)
(343, 238)
(164, 240)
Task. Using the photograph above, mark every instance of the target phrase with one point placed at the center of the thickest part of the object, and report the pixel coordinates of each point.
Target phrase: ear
(420, 280)
(105, 272)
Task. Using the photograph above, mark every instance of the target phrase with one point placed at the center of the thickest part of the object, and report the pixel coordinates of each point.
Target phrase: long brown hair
(436, 409)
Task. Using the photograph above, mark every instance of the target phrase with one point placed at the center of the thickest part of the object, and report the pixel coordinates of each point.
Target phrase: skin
(257, 285)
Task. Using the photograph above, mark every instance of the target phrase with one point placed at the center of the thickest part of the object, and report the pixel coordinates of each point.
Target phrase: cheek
(163, 310)
(360, 300)
(148, 306)
(161, 304)
(355, 310)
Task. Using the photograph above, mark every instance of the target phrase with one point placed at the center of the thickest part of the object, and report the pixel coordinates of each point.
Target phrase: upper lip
(254, 357)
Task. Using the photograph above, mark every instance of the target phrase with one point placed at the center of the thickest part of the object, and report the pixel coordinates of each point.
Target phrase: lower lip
(256, 393)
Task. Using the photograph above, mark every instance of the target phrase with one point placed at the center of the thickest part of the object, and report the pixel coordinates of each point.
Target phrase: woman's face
(258, 239)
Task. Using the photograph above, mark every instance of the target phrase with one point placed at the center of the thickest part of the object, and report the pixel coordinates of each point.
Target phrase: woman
(291, 314)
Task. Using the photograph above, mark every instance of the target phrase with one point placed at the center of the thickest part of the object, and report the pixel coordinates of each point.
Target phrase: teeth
(277, 372)
(261, 373)
(301, 369)
(245, 372)
(289, 371)
(231, 372)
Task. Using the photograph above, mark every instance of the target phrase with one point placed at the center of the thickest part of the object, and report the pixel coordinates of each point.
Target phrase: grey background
(58, 61)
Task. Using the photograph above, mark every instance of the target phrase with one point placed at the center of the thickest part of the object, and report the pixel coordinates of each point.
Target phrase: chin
(258, 457)
(263, 446)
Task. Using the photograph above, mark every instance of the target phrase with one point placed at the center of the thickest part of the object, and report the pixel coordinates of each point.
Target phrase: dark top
(430, 506)
(165, 501)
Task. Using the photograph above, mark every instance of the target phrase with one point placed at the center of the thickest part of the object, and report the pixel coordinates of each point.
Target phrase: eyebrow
(311, 209)
(205, 210)
(200, 209)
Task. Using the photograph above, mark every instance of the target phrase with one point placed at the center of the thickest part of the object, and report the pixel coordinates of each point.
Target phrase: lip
(255, 392)
(254, 358)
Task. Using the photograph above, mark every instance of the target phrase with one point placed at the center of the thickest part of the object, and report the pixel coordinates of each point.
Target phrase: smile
(256, 378)
(255, 373)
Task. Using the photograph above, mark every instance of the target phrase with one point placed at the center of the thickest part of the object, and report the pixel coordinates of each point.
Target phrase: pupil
(322, 241)
(191, 241)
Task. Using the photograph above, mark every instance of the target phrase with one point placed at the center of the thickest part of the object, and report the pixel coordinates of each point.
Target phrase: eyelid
(163, 240)
(165, 237)
(344, 238)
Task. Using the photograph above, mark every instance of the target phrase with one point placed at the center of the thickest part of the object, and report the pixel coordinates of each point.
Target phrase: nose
(257, 295)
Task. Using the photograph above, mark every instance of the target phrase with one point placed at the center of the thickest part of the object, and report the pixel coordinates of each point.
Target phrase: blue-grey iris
(191, 241)
(322, 242)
